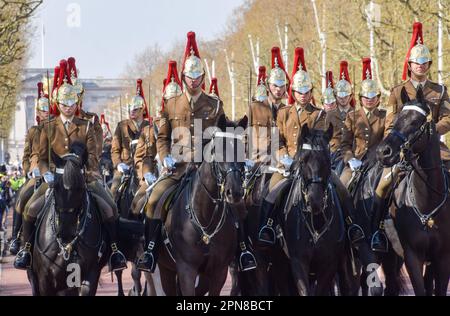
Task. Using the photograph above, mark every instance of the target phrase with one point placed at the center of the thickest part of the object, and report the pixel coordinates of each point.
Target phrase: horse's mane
(72, 178)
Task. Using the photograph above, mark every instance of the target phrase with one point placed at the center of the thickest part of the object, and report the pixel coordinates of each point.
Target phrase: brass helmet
(192, 65)
(261, 89)
(172, 84)
(369, 87)
(67, 94)
(214, 89)
(138, 101)
(343, 86)
(328, 96)
(42, 100)
(301, 81)
(418, 52)
(74, 77)
(277, 75)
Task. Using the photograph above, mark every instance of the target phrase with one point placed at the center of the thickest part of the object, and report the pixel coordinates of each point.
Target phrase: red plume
(299, 59)
(172, 73)
(140, 92)
(191, 45)
(329, 78)
(72, 66)
(367, 69)
(417, 37)
(63, 73)
(40, 86)
(213, 87)
(343, 75)
(102, 118)
(54, 108)
(261, 75)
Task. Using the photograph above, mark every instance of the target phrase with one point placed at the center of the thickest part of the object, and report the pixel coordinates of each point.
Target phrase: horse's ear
(419, 96)
(404, 96)
(243, 122)
(222, 123)
(329, 133)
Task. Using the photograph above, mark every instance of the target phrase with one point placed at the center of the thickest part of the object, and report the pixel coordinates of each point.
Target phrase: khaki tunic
(145, 156)
(336, 118)
(59, 141)
(125, 133)
(362, 135)
(438, 100)
(28, 149)
(98, 131)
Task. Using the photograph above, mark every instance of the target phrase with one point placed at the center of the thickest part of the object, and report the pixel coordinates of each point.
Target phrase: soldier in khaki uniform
(57, 135)
(145, 156)
(127, 135)
(290, 122)
(264, 110)
(177, 145)
(98, 132)
(364, 128)
(416, 67)
(332, 115)
(30, 164)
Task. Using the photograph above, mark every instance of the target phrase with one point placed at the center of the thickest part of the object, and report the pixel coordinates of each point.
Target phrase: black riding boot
(247, 260)
(147, 262)
(23, 258)
(14, 246)
(117, 260)
(266, 230)
(379, 242)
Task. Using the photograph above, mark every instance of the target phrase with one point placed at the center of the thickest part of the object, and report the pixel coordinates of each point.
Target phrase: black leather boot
(379, 241)
(266, 227)
(117, 260)
(14, 246)
(147, 262)
(23, 258)
(247, 260)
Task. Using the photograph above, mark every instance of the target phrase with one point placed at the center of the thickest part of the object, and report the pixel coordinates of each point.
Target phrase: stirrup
(250, 262)
(268, 229)
(358, 228)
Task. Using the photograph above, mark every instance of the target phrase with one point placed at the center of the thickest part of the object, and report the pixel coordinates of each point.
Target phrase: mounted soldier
(106, 165)
(127, 135)
(89, 116)
(57, 136)
(30, 163)
(417, 66)
(290, 121)
(177, 144)
(145, 157)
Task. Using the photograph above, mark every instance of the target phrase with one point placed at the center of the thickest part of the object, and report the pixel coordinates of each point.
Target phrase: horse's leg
(235, 290)
(347, 281)
(168, 281)
(414, 265)
(203, 285)
(217, 280)
(186, 278)
(33, 282)
(429, 280)
(150, 289)
(136, 276)
(442, 273)
(389, 264)
(324, 280)
(300, 272)
(119, 283)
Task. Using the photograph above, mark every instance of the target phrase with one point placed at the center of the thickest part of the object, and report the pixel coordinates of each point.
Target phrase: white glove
(287, 161)
(169, 162)
(123, 167)
(36, 173)
(149, 178)
(49, 178)
(354, 164)
(249, 164)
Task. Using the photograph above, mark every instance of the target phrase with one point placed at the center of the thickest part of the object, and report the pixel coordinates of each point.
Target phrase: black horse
(69, 250)
(201, 226)
(131, 234)
(422, 218)
(313, 226)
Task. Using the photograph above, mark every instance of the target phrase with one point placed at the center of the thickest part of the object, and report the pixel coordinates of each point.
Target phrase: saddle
(173, 193)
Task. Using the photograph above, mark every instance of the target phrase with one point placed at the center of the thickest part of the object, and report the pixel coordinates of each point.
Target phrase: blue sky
(104, 35)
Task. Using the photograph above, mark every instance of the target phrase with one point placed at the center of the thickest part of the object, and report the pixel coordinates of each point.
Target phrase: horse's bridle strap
(61, 171)
(414, 108)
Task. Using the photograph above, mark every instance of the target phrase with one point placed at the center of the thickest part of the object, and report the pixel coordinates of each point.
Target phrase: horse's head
(313, 164)
(70, 188)
(228, 157)
(410, 127)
